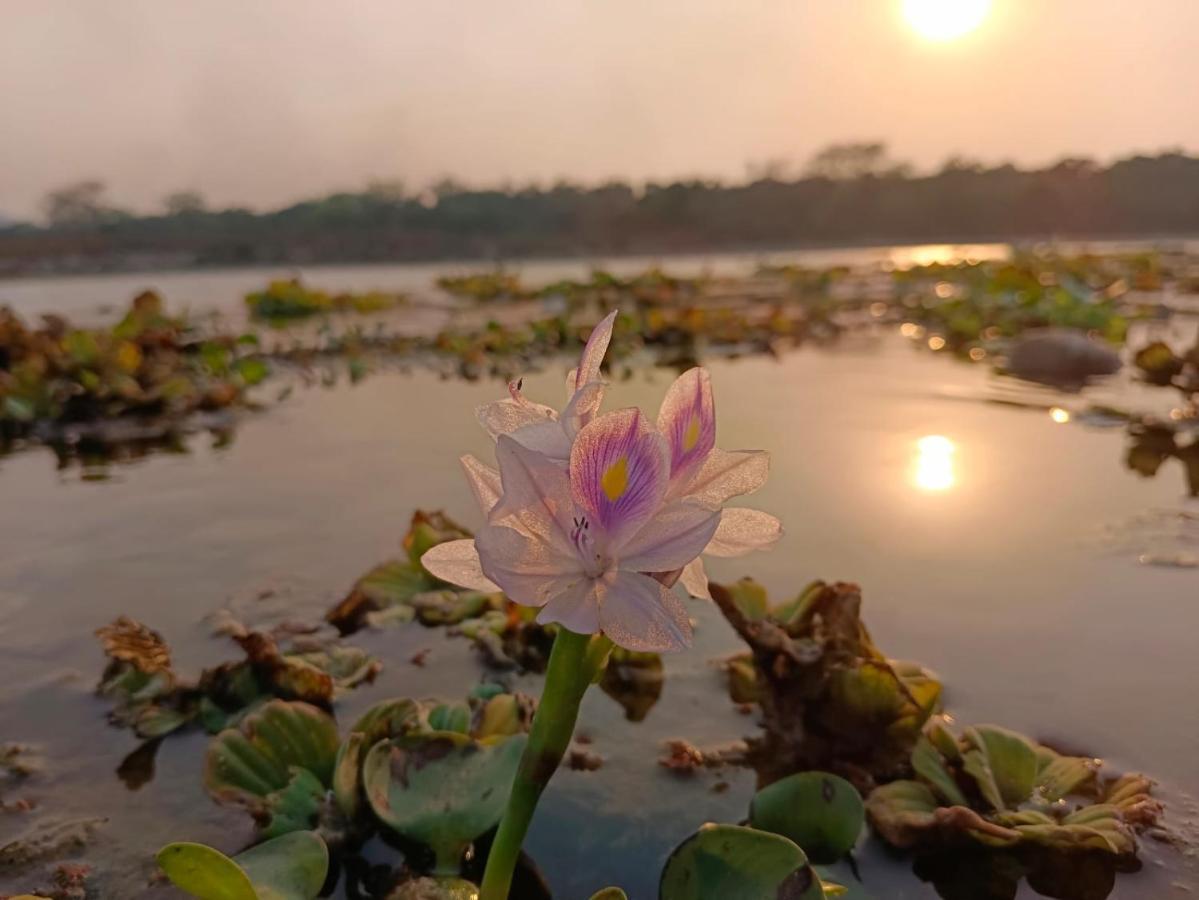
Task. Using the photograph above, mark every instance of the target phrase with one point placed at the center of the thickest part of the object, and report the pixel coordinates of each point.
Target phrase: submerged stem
(571, 668)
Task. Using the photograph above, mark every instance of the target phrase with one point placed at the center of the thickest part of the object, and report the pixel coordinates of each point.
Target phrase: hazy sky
(260, 102)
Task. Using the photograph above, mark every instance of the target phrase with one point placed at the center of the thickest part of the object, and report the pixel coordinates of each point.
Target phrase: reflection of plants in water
(1153, 444)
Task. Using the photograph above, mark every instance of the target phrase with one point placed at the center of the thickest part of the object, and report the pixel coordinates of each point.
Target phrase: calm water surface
(1003, 555)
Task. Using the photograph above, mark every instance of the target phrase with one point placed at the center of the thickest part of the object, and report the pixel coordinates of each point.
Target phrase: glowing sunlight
(934, 463)
(945, 20)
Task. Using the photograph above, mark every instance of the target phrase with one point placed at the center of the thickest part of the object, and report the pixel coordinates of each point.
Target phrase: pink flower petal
(726, 474)
(517, 411)
(536, 495)
(695, 579)
(546, 438)
(527, 569)
(638, 613)
(742, 531)
(675, 536)
(593, 353)
(618, 475)
(687, 420)
(575, 607)
(484, 482)
(458, 563)
(583, 407)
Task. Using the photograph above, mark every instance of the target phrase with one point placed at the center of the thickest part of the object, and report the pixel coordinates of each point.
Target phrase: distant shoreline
(148, 264)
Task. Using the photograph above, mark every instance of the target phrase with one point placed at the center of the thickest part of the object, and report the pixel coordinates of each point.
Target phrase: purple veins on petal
(687, 419)
(618, 473)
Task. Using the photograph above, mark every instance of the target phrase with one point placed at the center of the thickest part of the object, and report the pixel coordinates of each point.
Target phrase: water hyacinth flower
(593, 517)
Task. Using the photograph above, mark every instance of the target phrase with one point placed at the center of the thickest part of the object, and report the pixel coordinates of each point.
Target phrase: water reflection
(934, 468)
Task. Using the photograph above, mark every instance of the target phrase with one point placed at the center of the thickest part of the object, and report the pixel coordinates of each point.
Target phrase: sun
(945, 20)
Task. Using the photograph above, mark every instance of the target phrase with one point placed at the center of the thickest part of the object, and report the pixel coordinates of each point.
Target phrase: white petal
(525, 568)
(547, 438)
(582, 408)
(727, 474)
(638, 613)
(458, 563)
(536, 495)
(742, 531)
(507, 415)
(695, 579)
(484, 482)
(675, 535)
(576, 607)
(593, 353)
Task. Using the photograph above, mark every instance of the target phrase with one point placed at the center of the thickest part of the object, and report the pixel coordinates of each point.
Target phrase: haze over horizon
(260, 104)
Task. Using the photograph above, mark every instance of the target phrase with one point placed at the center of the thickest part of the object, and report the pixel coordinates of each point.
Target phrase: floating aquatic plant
(278, 764)
(292, 299)
(289, 867)
(999, 788)
(150, 366)
(829, 697)
(723, 861)
(590, 518)
(154, 701)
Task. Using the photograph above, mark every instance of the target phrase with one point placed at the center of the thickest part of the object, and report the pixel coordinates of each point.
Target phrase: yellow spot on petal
(615, 479)
(691, 436)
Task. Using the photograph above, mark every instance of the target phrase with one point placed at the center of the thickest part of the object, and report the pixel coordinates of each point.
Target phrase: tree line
(848, 194)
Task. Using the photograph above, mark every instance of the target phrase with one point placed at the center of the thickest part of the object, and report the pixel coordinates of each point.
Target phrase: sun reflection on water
(934, 469)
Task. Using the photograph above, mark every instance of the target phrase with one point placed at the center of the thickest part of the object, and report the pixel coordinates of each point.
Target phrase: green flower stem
(574, 662)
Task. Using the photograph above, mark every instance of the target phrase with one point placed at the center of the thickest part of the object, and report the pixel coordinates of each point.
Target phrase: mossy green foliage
(148, 365)
(829, 696)
(1001, 789)
(292, 299)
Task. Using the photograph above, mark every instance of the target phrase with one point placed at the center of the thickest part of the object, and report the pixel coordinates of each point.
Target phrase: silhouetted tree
(183, 203)
(79, 204)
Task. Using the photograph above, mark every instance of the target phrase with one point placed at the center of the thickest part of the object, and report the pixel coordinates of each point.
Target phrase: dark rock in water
(1060, 356)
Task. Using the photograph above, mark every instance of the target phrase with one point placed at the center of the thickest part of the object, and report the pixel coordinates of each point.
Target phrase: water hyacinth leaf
(610, 893)
(1002, 763)
(823, 813)
(441, 790)
(347, 779)
(388, 718)
(291, 867)
(296, 807)
(1058, 776)
(902, 812)
(930, 766)
(501, 716)
(204, 872)
(453, 717)
(723, 861)
(245, 765)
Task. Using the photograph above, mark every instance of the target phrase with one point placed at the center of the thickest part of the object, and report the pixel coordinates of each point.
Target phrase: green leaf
(719, 862)
(205, 873)
(610, 893)
(902, 812)
(1002, 763)
(453, 717)
(822, 813)
(930, 765)
(245, 765)
(295, 808)
(442, 790)
(291, 867)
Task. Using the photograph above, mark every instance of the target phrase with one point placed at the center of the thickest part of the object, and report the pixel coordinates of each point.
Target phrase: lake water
(1009, 565)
